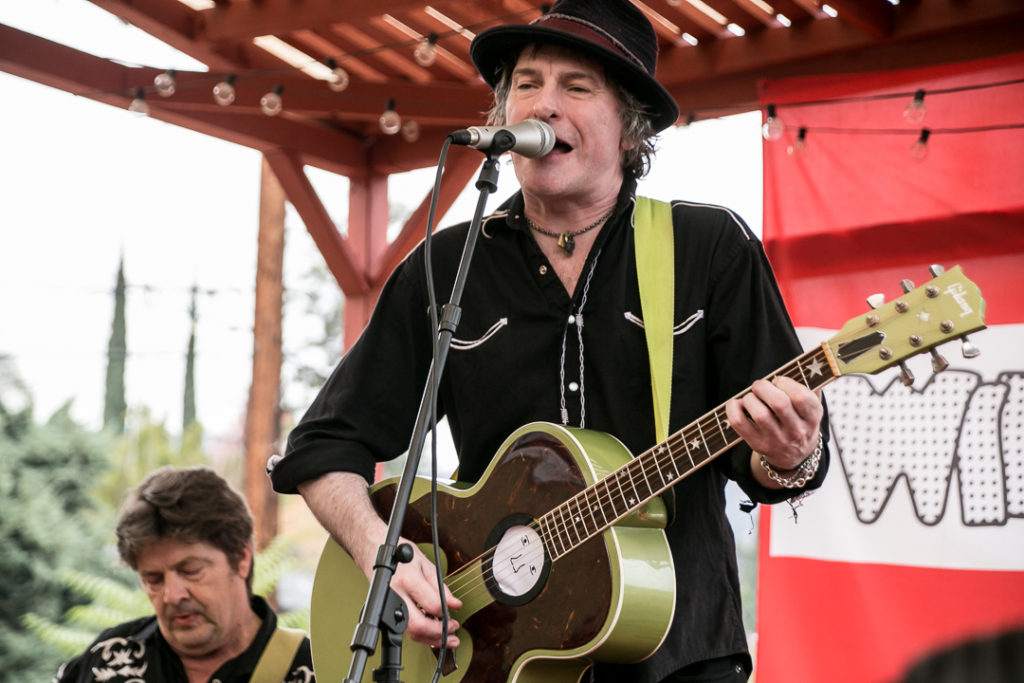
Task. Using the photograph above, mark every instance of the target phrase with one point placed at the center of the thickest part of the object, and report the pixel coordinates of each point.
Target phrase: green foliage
(273, 562)
(147, 447)
(114, 407)
(48, 522)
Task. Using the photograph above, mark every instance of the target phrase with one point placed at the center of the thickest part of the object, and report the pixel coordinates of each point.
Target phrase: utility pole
(262, 419)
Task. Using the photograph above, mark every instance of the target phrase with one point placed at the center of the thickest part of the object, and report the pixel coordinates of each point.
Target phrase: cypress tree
(114, 406)
(188, 414)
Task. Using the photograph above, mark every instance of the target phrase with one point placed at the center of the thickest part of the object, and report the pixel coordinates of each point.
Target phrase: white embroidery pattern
(123, 659)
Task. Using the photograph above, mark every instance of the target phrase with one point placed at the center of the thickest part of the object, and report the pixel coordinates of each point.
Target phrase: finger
(426, 629)
(805, 402)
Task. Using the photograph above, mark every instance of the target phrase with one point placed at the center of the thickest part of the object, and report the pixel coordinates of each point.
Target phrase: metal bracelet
(800, 475)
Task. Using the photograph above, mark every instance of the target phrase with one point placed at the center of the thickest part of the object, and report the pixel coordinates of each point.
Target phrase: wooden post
(262, 419)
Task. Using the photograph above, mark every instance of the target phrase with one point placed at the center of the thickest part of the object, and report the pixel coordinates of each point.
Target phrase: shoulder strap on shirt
(655, 270)
(278, 655)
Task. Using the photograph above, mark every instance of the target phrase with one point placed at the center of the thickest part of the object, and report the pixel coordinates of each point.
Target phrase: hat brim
(491, 47)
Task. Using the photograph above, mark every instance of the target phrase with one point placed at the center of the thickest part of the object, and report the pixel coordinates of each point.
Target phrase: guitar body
(610, 599)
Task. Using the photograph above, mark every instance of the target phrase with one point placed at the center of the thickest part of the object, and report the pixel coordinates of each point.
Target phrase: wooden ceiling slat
(322, 48)
(408, 28)
(756, 11)
(683, 21)
(399, 59)
(708, 27)
(736, 13)
(453, 41)
(793, 11)
(245, 20)
(874, 17)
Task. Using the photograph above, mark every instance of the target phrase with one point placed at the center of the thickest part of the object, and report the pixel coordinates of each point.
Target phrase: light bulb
(919, 150)
(339, 79)
(138, 105)
(271, 102)
(425, 53)
(390, 121)
(915, 111)
(773, 127)
(224, 92)
(164, 82)
(798, 148)
(410, 130)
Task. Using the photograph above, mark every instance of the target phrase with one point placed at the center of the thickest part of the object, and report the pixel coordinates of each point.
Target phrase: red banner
(916, 540)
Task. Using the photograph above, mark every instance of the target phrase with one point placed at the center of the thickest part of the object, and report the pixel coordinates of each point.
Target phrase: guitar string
(561, 529)
(548, 532)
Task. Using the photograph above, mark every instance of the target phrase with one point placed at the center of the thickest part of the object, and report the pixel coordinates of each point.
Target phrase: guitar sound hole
(519, 567)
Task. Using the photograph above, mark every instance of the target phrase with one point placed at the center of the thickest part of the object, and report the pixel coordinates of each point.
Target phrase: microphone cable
(434, 389)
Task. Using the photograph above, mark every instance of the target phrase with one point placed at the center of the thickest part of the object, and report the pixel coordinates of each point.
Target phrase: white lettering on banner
(930, 475)
(922, 436)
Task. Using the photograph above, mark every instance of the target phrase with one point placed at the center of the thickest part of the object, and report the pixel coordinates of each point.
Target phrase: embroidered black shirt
(136, 652)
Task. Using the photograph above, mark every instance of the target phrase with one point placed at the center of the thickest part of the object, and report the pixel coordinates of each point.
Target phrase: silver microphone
(530, 138)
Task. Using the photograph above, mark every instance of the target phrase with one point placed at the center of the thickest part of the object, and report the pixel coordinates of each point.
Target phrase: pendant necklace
(566, 239)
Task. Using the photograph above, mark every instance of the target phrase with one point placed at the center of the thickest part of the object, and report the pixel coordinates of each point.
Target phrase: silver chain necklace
(579, 338)
(565, 239)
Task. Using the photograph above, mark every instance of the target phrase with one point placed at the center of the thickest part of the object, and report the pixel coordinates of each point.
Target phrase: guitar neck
(596, 508)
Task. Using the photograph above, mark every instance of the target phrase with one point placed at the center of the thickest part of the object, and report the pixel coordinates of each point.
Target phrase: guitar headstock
(948, 306)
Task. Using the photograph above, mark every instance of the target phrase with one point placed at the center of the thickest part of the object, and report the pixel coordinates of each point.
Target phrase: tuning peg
(969, 350)
(907, 285)
(938, 362)
(874, 301)
(936, 270)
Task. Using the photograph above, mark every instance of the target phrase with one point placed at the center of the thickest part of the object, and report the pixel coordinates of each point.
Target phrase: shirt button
(572, 320)
(543, 270)
(573, 386)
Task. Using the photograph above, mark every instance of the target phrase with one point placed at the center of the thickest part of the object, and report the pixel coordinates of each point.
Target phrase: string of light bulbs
(914, 113)
(424, 51)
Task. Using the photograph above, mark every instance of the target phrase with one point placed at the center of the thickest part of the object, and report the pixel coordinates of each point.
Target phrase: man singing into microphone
(552, 330)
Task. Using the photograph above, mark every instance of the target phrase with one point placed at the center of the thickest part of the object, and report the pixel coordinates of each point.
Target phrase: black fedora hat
(614, 32)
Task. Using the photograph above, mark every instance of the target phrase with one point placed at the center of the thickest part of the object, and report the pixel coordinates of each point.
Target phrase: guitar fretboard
(596, 508)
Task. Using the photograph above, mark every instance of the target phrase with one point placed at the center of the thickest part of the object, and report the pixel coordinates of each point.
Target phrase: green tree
(114, 406)
(188, 413)
(48, 521)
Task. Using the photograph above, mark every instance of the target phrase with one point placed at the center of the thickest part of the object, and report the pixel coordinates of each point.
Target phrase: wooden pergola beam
(341, 261)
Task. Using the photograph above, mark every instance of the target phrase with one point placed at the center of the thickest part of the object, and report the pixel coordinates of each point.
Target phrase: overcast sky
(85, 183)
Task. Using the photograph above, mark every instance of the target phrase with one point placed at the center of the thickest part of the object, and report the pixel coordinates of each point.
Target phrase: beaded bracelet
(801, 474)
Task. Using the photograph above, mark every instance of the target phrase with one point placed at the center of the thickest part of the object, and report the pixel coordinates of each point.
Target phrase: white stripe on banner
(931, 475)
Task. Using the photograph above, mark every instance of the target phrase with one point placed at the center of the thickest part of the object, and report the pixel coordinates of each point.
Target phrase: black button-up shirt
(517, 339)
(136, 652)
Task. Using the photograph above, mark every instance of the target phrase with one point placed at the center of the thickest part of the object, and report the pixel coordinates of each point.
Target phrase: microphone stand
(384, 610)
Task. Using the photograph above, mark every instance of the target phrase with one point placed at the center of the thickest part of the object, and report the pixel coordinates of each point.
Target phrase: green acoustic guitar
(558, 552)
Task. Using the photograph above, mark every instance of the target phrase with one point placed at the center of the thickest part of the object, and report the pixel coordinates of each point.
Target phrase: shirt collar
(515, 217)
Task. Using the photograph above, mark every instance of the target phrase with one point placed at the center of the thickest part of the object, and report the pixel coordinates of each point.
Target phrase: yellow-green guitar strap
(655, 270)
(277, 656)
